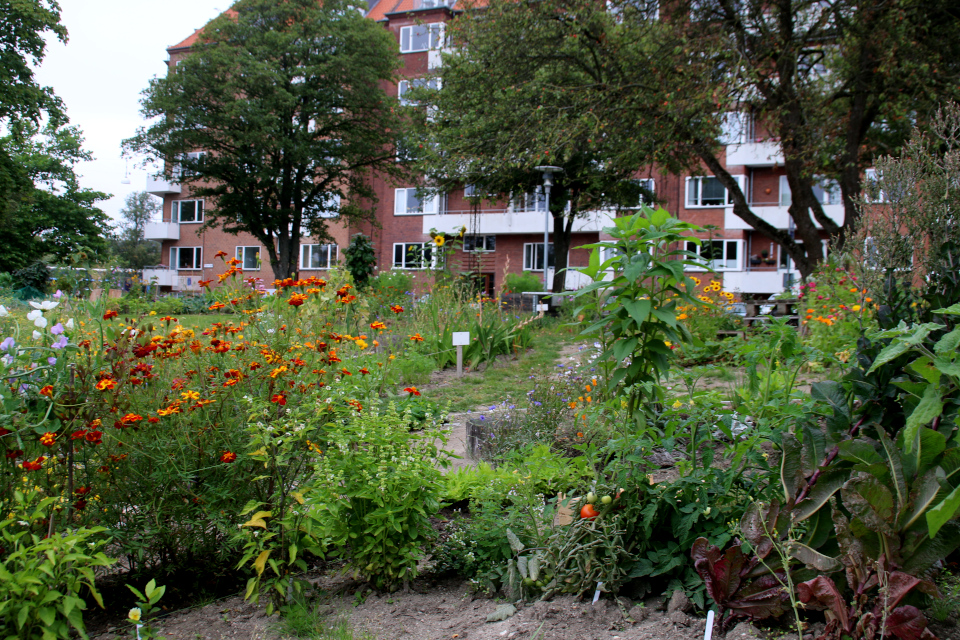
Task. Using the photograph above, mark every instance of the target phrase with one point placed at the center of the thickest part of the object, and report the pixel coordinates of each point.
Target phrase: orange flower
(36, 465)
(276, 372)
(228, 457)
(297, 299)
(110, 314)
(47, 391)
(48, 439)
(279, 398)
(345, 372)
(204, 284)
(364, 371)
(217, 305)
(130, 418)
(221, 254)
(413, 391)
(416, 337)
(190, 395)
(396, 308)
(106, 384)
(379, 326)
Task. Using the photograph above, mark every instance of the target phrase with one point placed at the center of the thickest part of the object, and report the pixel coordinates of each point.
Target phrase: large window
(187, 211)
(413, 255)
(408, 203)
(186, 257)
(719, 255)
(735, 128)
(825, 191)
(647, 192)
(249, 258)
(479, 243)
(872, 191)
(194, 160)
(405, 85)
(421, 37)
(708, 192)
(527, 202)
(328, 207)
(318, 256)
(533, 256)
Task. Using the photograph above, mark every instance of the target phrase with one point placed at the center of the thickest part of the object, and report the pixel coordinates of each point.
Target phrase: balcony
(508, 221)
(161, 277)
(161, 231)
(755, 154)
(161, 187)
(764, 282)
(777, 216)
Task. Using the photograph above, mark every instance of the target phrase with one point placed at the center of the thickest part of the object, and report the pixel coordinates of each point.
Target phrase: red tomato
(588, 512)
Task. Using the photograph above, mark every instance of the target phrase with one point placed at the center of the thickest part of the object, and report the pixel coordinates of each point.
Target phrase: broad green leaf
(859, 451)
(896, 470)
(943, 512)
(924, 368)
(813, 559)
(258, 519)
(953, 310)
(930, 406)
(260, 563)
(933, 549)
(515, 543)
(891, 352)
(948, 344)
(791, 472)
(639, 310)
(827, 485)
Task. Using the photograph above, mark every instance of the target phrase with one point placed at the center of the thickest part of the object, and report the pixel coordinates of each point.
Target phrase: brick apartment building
(502, 236)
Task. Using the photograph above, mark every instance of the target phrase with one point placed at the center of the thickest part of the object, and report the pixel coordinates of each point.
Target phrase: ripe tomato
(588, 512)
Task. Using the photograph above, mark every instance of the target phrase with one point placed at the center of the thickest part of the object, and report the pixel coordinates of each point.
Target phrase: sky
(115, 48)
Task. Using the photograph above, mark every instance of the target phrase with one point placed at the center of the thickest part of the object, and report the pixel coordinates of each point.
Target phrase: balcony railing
(161, 231)
(161, 187)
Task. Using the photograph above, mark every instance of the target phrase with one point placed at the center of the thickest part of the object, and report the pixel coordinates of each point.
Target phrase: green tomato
(591, 497)
(528, 582)
(606, 499)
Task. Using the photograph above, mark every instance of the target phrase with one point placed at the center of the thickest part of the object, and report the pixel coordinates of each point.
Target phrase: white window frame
(785, 262)
(432, 205)
(722, 264)
(178, 171)
(651, 185)
(328, 207)
(434, 34)
(175, 212)
(728, 202)
(531, 251)
(734, 128)
(241, 252)
(407, 261)
(487, 242)
(308, 251)
(403, 86)
(826, 191)
(197, 258)
(871, 175)
(534, 202)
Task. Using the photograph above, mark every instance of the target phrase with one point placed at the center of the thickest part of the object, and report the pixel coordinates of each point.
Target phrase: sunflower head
(439, 240)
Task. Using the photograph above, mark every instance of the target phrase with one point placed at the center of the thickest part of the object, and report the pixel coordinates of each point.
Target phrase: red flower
(228, 457)
(345, 372)
(279, 398)
(297, 299)
(82, 491)
(4, 432)
(35, 465)
(413, 391)
(80, 504)
(48, 439)
(106, 384)
(364, 371)
(153, 420)
(204, 284)
(110, 314)
(130, 418)
(47, 391)
(94, 437)
(396, 308)
(416, 337)
(220, 254)
(13, 454)
(378, 326)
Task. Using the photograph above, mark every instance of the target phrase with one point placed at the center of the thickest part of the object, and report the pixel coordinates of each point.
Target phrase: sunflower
(439, 240)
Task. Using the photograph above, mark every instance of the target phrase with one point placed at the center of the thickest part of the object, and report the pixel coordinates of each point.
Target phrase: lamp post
(548, 172)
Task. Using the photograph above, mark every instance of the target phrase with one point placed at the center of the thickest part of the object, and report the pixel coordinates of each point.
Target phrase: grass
(304, 619)
(507, 380)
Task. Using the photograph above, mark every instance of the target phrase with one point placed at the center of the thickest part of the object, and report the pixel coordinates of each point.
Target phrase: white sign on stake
(461, 338)
(543, 307)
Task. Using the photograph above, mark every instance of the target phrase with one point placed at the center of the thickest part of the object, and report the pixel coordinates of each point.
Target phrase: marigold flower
(364, 371)
(106, 384)
(378, 326)
(278, 371)
(78, 435)
(190, 395)
(217, 305)
(396, 308)
(345, 372)
(131, 418)
(110, 314)
(153, 420)
(855, 307)
(47, 391)
(297, 299)
(279, 398)
(35, 465)
(416, 337)
(48, 439)
(255, 365)
(413, 391)
(228, 457)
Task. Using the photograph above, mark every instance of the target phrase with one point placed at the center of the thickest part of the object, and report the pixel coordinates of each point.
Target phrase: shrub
(521, 282)
(360, 259)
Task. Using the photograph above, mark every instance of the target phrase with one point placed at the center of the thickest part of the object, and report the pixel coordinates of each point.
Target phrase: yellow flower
(190, 395)
(361, 344)
(677, 404)
(439, 240)
(855, 307)
(153, 313)
(134, 614)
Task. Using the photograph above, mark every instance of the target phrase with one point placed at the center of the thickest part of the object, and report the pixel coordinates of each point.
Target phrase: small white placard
(543, 307)
(208, 266)
(461, 338)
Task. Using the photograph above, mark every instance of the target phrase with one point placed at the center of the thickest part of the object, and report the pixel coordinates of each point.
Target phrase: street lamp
(548, 172)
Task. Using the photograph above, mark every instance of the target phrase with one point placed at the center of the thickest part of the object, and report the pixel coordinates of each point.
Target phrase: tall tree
(834, 81)
(129, 245)
(287, 101)
(483, 126)
(52, 216)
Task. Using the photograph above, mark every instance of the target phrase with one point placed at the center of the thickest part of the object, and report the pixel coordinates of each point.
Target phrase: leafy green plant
(360, 259)
(147, 600)
(521, 282)
(635, 295)
(381, 485)
(42, 577)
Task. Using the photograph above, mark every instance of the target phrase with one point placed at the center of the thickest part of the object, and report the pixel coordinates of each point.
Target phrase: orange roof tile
(192, 39)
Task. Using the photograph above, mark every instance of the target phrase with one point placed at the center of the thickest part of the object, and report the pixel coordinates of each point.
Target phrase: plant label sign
(461, 338)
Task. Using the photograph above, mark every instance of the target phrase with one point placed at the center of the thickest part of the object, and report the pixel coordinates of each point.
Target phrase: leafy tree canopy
(129, 245)
(287, 101)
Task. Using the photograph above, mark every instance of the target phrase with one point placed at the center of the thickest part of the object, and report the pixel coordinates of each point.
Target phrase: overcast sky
(115, 47)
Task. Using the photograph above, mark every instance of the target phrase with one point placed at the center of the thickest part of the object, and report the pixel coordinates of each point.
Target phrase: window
(193, 161)
(825, 191)
(646, 197)
(719, 255)
(318, 256)
(186, 257)
(871, 186)
(708, 192)
(644, 9)
(533, 256)
(405, 85)
(408, 203)
(327, 207)
(479, 243)
(186, 211)
(527, 202)
(249, 258)
(734, 128)
(413, 255)
(421, 37)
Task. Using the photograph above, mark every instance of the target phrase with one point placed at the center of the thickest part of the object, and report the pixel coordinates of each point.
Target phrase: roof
(192, 38)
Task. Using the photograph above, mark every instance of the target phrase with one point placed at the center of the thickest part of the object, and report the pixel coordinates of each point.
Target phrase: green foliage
(381, 485)
(288, 101)
(520, 282)
(360, 259)
(636, 307)
(129, 246)
(146, 605)
(305, 619)
(389, 286)
(35, 275)
(42, 577)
